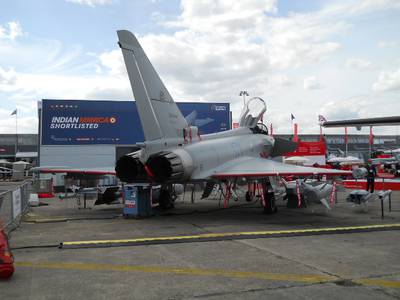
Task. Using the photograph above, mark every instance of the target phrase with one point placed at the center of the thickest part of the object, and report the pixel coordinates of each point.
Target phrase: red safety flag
(296, 137)
(298, 193)
(333, 194)
(320, 133)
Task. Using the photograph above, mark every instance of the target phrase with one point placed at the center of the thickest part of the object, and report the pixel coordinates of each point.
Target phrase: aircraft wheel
(165, 200)
(270, 205)
(249, 196)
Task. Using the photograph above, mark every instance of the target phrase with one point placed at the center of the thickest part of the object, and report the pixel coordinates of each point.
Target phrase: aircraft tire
(270, 207)
(249, 197)
(165, 200)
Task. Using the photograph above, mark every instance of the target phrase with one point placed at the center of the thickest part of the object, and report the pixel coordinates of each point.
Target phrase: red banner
(296, 137)
(309, 148)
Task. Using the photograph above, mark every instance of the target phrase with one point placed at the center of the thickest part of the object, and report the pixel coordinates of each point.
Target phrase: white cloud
(10, 31)
(387, 81)
(344, 109)
(280, 81)
(91, 3)
(358, 64)
(358, 7)
(373, 5)
(113, 62)
(7, 78)
(217, 48)
(312, 83)
(388, 44)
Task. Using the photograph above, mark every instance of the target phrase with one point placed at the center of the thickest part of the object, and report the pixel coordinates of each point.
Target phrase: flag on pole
(321, 119)
(14, 112)
(292, 117)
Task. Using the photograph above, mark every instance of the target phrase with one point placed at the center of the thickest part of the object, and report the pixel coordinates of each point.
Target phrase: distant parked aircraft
(358, 123)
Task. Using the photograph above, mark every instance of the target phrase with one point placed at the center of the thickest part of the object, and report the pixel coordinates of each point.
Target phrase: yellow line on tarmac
(305, 278)
(234, 234)
(48, 220)
(308, 278)
(379, 282)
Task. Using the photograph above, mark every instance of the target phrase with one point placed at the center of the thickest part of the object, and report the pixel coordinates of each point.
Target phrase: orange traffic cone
(6, 257)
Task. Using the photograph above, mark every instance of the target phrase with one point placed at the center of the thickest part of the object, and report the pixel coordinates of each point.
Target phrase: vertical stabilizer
(159, 115)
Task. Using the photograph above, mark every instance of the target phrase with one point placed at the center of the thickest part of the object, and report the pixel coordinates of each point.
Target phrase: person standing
(371, 173)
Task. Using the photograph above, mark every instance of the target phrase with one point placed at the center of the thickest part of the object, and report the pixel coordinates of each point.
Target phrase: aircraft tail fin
(159, 114)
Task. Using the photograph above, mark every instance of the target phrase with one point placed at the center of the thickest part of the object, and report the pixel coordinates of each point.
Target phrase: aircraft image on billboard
(192, 119)
(174, 152)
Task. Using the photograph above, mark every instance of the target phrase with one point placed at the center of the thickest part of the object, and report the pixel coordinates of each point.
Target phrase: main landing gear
(269, 203)
(166, 198)
(264, 191)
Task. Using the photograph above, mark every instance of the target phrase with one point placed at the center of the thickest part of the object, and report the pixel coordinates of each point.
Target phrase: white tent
(296, 160)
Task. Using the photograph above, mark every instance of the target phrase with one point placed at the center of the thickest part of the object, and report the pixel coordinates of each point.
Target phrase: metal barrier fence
(13, 204)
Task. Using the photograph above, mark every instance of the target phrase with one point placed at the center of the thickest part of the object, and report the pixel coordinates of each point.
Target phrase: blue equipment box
(137, 201)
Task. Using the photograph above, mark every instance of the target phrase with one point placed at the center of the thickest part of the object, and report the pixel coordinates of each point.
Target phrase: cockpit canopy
(252, 112)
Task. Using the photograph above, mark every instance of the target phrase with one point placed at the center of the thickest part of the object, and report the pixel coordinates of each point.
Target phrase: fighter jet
(174, 152)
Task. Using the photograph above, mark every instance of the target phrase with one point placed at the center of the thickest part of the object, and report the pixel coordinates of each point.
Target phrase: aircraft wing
(261, 167)
(82, 171)
(383, 121)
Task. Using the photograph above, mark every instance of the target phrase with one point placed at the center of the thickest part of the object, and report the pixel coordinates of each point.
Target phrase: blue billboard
(89, 122)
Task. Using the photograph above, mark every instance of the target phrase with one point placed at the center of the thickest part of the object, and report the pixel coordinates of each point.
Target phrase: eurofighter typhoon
(174, 151)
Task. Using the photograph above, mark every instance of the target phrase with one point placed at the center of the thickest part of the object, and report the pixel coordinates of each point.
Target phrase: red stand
(228, 193)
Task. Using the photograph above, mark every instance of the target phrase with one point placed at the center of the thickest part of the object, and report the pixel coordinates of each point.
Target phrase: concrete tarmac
(353, 265)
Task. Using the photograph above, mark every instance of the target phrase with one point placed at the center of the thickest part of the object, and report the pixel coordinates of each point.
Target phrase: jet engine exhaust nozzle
(167, 166)
(130, 169)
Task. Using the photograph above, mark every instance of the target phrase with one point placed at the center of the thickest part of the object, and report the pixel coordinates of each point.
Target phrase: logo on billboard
(80, 122)
(218, 107)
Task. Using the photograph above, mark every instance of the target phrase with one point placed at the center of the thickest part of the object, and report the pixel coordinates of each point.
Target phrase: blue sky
(336, 58)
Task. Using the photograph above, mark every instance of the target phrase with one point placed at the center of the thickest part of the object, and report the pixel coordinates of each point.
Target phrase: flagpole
(291, 122)
(16, 134)
(320, 133)
(346, 139)
(371, 141)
